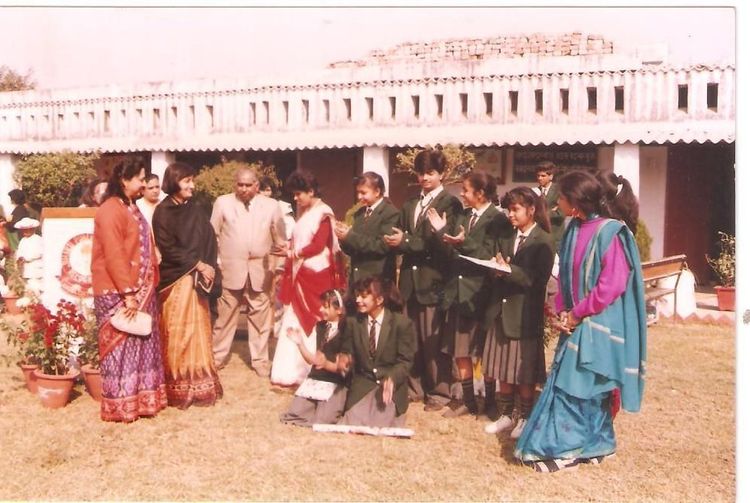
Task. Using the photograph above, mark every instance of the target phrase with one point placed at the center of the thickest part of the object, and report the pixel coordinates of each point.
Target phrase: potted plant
(26, 336)
(62, 338)
(15, 287)
(724, 267)
(88, 355)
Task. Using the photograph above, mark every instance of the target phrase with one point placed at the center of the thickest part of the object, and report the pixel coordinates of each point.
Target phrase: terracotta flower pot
(725, 297)
(10, 305)
(92, 378)
(53, 390)
(28, 375)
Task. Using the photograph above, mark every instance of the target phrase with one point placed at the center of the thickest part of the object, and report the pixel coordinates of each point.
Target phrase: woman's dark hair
(582, 190)
(380, 287)
(302, 181)
(484, 182)
(529, 199)
(372, 180)
(622, 206)
(266, 182)
(172, 176)
(430, 160)
(88, 198)
(124, 170)
(17, 197)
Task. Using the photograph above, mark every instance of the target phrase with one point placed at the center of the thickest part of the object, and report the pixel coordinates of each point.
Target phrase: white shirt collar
(378, 318)
(432, 194)
(377, 203)
(525, 234)
(480, 211)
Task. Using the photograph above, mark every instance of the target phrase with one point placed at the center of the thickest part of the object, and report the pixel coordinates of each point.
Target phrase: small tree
(218, 179)
(56, 179)
(10, 80)
(643, 240)
(460, 162)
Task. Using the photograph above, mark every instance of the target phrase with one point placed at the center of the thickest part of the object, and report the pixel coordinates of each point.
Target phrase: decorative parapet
(482, 103)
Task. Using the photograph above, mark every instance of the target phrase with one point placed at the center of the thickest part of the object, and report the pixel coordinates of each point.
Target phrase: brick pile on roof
(510, 46)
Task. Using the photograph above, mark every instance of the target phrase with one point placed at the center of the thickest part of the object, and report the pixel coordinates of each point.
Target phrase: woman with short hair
(188, 249)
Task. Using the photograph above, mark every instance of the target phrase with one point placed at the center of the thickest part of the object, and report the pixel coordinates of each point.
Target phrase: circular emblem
(76, 266)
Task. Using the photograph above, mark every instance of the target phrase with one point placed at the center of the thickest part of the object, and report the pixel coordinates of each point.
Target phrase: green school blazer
(393, 358)
(519, 297)
(468, 285)
(425, 261)
(556, 218)
(368, 253)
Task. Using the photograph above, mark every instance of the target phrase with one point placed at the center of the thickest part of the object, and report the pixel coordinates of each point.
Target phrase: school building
(514, 100)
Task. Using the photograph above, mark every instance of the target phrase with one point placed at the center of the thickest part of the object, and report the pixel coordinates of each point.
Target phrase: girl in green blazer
(378, 349)
(363, 241)
(514, 347)
(467, 290)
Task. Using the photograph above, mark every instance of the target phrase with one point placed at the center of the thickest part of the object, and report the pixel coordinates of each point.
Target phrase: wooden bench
(660, 269)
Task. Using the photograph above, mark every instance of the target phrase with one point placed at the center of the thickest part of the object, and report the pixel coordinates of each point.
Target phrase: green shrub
(56, 179)
(218, 179)
(643, 240)
(460, 162)
(724, 264)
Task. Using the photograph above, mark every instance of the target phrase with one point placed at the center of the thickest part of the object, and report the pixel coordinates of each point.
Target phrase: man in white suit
(249, 226)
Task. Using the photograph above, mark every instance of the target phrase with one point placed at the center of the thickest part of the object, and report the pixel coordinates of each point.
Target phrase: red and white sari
(312, 271)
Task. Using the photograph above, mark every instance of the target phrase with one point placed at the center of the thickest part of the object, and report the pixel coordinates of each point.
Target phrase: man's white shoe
(518, 429)
(501, 424)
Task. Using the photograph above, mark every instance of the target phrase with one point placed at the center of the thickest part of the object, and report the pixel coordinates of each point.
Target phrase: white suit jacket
(245, 237)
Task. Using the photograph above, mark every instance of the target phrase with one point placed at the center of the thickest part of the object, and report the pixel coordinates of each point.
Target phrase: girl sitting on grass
(320, 398)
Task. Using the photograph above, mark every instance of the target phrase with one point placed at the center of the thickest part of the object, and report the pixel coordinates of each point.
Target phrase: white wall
(653, 195)
(7, 168)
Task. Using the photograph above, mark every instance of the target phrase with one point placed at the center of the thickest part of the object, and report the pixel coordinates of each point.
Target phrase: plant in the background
(56, 179)
(459, 162)
(88, 352)
(218, 179)
(10, 80)
(14, 283)
(724, 264)
(63, 337)
(643, 241)
(26, 335)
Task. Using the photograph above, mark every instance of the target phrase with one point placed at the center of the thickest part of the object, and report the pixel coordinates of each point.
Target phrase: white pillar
(376, 159)
(627, 164)
(7, 169)
(159, 162)
(652, 199)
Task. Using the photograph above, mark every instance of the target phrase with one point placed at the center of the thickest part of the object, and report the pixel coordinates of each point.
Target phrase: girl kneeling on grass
(320, 398)
(378, 347)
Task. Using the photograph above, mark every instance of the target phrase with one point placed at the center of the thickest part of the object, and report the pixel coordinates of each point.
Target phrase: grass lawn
(680, 447)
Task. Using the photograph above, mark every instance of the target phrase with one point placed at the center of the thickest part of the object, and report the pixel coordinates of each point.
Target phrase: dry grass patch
(681, 447)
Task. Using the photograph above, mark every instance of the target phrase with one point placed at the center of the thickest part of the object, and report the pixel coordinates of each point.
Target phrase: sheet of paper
(490, 264)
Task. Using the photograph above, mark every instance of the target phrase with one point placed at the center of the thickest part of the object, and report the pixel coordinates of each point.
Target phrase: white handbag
(140, 324)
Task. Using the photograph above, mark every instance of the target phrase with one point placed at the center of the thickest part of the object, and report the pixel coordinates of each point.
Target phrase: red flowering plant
(26, 335)
(88, 352)
(62, 339)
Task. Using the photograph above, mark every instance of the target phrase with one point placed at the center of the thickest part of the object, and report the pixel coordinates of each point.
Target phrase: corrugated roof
(470, 134)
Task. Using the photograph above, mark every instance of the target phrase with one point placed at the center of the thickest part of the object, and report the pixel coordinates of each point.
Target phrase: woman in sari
(124, 275)
(600, 360)
(187, 244)
(310, 269)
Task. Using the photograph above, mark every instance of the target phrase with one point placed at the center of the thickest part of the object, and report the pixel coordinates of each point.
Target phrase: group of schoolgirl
(456, 310)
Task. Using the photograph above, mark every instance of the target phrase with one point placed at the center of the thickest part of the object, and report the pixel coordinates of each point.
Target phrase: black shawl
(184, 236)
